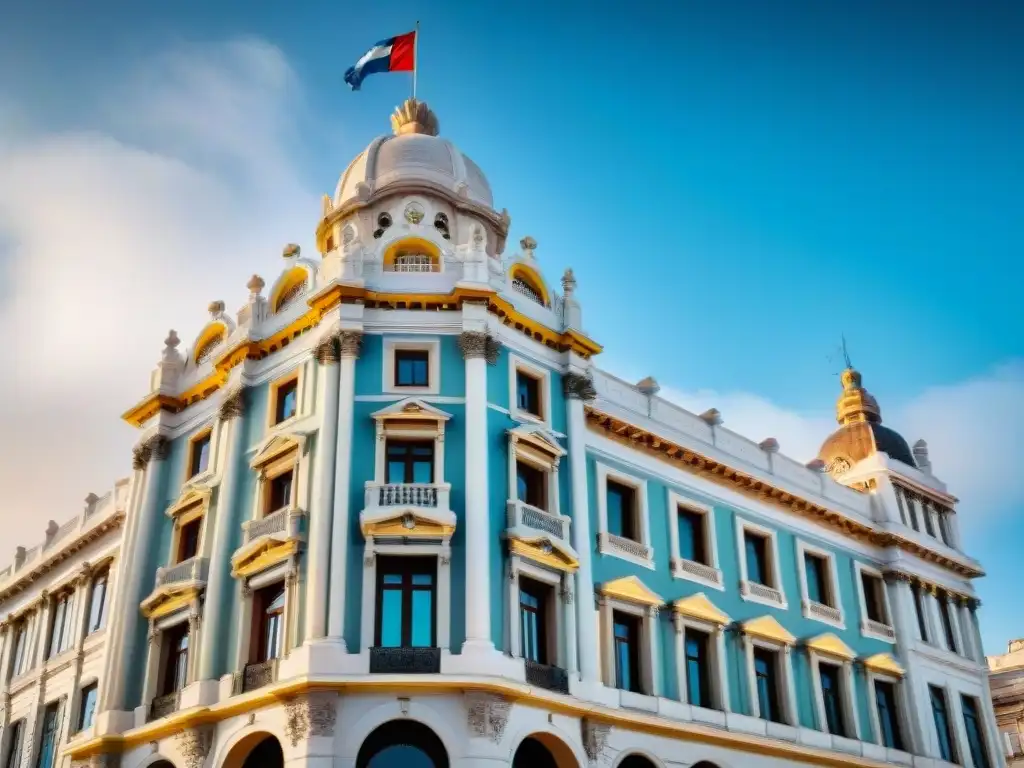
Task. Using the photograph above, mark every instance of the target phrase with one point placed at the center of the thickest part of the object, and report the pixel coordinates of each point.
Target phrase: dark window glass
(766, 676)
(899, 503)
(692, 541)
(912, 510)
(533, 607)
(48, 742)
(874, 600)
(832, 696)
(698, 668)
(410, 462)
(176, 664)
(14, 743)
(98, 601)
(286, 400)
(622, 510)
(280, 492)
(757, 557)
(922, 627)
(626, 629)
(188, 540)
(87, 708)
(942, 728)
(530, 485)
(926, 514)
(200, 458)
(947, 622)
(405, 602)
(816, 575)
(888, 715)
(975, 734)
(528, 394)
(944, 531)
(412, 368)
(60, 624)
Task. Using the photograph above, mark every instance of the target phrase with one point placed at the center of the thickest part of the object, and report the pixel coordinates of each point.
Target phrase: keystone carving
(311, 715)
(194, 745)
(154, 449)
(595, 737)
(474, 344)
(487, 715)
(233, 405)
(579, 387)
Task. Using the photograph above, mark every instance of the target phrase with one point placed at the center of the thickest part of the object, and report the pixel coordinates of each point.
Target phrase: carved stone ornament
(153, 449)
(311, 715)
(579, 387)
(233, 406)
(351, 343)
(414, 213)
(328, 351)
(475, 344)
(838, 466)
(194, 745)
(595, 738)
(487, 715)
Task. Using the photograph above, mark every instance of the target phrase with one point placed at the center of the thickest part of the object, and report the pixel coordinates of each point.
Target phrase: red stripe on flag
(403, 57)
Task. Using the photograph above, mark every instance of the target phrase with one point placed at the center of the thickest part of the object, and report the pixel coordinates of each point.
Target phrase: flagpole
(415, 58)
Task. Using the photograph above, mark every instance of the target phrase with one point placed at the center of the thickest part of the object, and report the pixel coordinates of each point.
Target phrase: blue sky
(735, 184)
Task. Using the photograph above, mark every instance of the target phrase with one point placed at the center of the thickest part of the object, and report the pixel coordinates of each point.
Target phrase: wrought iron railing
(547, 676)
(417, 661)
(193, 569)
(162, 706)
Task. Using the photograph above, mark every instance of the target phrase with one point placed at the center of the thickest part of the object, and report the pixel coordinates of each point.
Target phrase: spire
(414, 117)
(856, 403)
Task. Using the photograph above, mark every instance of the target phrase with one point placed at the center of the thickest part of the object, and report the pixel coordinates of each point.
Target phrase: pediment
(537, 436)
(412, 522)
(884, 663)
(168, 599)
(698, 606)
(275, 446)
(191, 498)
(768, 628)
(631, 590)
(542, 548)
(261, 554)
(411, 408)
(831, 645)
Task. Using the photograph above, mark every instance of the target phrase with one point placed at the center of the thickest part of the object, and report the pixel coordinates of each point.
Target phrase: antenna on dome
(846, 354)
(842, 350)
(415, 57)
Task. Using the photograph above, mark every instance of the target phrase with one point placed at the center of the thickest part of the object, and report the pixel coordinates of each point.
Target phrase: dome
(414, 154)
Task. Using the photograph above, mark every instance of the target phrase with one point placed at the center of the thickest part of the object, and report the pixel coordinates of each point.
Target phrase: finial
(769, 445)
(216, 309)
(568, 282)
(291, 251)
(255, 285)
(816, 465)
(528, 244)
(648, 386)
(712, 416)
(414, 117)
(172, 340)
(920, 451)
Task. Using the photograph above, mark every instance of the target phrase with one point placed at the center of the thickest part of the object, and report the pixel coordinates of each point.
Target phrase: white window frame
(543, 376)
(562, 628)
(717, 662)
(748, 589)
(608, 543)
(865, 624)
(902, 716)
(432, 346)
(650, 680)
(785, 657)
(851, 722)
(298, 375)
(396, 429)
(820, 611)
(549, 470)
(699, 573)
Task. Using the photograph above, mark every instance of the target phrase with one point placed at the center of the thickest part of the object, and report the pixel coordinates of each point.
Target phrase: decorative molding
(475, 344)
(233, 405)
(578, 387)
(350, 343)
(194, 745)
(328, 351)
(595, 738)
(311, 715)
(153, 449)
(487, 715)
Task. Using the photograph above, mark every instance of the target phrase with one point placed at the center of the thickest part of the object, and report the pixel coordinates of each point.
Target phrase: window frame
(430, 427)
(101, 574)
(803, 549)
(954, 746)
(51, 708)
(948, 624)
(865, 627)
(649, 652)
(20, 666)
(902, 719)
(62, 634)
(542, 375)
(559, 630)
(293, 377)
(780, 663)
(979, 724)
(608, 543)
(389, 372)
(718, 682)
(787, 694)
(917, 597)
(848, 714)
(705, 574)
(408, 569)
(191, 473)
(83, 690)
(747, 587)
(15, 743)
(168, 670)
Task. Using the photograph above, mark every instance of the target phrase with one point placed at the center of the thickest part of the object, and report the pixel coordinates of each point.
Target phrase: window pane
(765, 674)
(97, 602)
(814, 577)
(411, 368)
(757, 565)
(698, 689)
(919, 610)
(621, 510)
(888, 715)
(626, 632)
(391, 618)
(873, 597)
(942, 730)
(975, 737)
(88, 707)
(422, 618)
(528, 394)
(831, 696)
(48, 742)
(947, 624)
(530, 483)
(691, 536)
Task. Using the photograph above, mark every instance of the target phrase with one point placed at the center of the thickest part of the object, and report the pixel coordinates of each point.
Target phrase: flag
(396, 54)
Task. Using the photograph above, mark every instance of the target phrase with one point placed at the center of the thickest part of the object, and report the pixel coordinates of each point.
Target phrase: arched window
(533, 754)
(413, 262)
(204, 352)
(266, 754)
(403, 744)
(523, 287)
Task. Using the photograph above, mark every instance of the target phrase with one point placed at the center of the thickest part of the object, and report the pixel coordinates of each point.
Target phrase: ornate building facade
(390, 512)
(1007, 683)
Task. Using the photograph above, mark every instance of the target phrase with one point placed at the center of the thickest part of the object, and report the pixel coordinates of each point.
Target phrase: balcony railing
(520, 513)
(193, 569)
(620, 544)
(424, 495)
(413, 262)
(415, 661)
(546, 676)
(287, 521)
(826, 612)
(880, 629)
(256, 676)
(761, 591)
(683, 567)
(162, 706)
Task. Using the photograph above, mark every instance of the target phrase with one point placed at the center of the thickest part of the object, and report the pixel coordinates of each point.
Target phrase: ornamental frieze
(311, 715)
(194, 745)
(487, 715)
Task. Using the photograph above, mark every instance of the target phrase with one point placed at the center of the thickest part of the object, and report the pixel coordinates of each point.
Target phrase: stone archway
(402, 744)
(257, 750)
(543, 750)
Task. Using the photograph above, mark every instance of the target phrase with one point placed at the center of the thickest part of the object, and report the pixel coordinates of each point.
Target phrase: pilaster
(905, 624)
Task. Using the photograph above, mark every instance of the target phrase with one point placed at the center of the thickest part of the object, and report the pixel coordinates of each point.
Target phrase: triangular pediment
(262, 554)
(168, 599)
(699, 607)
(543, 543)
(542, 552)
(768, 628)
(632, 590)
(408, 523)
(831, 645)
(275, 446)
(537, 436)
(411, 408)
(884, 663)
(192, 496)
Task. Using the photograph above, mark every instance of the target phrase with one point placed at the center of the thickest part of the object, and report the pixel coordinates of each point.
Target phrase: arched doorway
(705, 764)
(636, 761)
(542, 750)
(402, 744)
(266, 754)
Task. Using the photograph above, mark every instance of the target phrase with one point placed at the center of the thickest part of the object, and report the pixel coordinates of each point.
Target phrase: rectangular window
(888, 714)
(626, 630)
(975, 732)
(947, 622)
(19, 660)
(874, 597)
(412, 368)
(534, 599)
(406, 602)
(756, 547)
(899, 503)
(531, 485)
(98, 601)
(48, 742)
(698, 668)
(188, 539)
(817, 577)
(286, 399)
(175, 673)
(410, 462)
(622, 510)
(528, 394)
(14, 744)
(279, 492)
(87, 706)
(912, 511)
(766, 678)
(922, 627)
(60, 624)
(940, 715)
(268, 616)
(832, 697)
(926, 514)
(199, 459)
(692, 536)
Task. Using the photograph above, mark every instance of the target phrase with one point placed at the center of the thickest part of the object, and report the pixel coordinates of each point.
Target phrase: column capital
(328, 351)
(153, 449)
(476, 344)
(233, 405)
(350, 343)
(577, 386)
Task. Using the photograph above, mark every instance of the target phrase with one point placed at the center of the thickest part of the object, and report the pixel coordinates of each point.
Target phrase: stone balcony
(184, 580)
(285, 524)
(407, 509)
(268, 541)
(538, 534)
(522, 515)
(194, 570)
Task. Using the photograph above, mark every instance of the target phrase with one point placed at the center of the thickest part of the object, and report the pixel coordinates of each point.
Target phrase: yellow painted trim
(295, 276)
(638, 721)
(421, 528)
(698, 606)
(194, 497)
(164, 603)
(768, 628)
(408, 243)
(533, 551)
(149, 407)
(272, 553)
(632, 590)
(278, 447)
(213, 333)
(531, 277)
(884, 663)
(831, 645)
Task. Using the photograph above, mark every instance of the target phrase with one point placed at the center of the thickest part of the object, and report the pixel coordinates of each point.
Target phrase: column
(81, 627)
(215, 610)
(577, 389)
(7, 639)
(153, 649)
(319, 558)
(474, 345)
(791, 706)
(722, 664)
(930, 598)
(349, 348)
(195, 640)
(569, 612)
(905, 626)
(681, 690)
